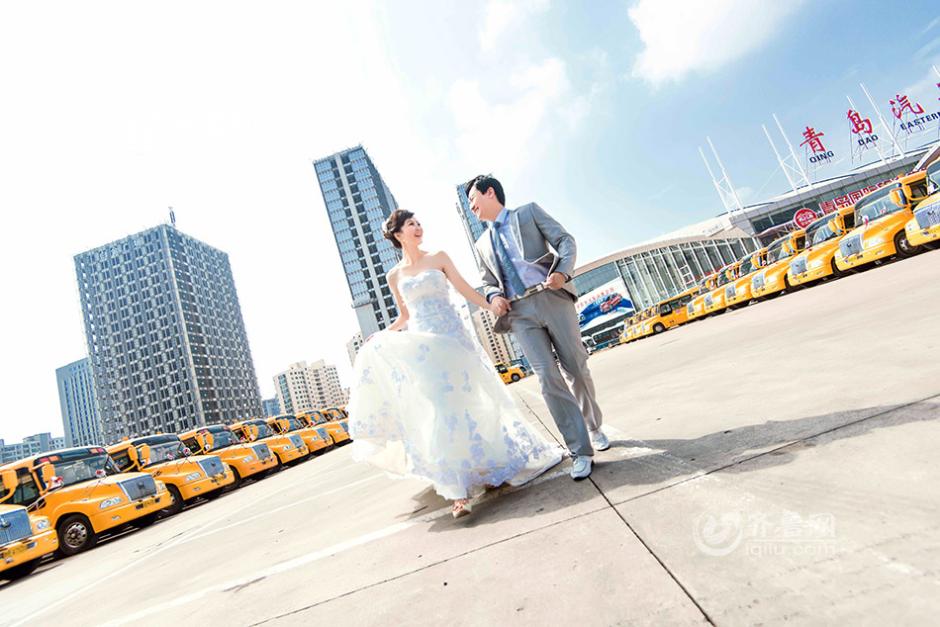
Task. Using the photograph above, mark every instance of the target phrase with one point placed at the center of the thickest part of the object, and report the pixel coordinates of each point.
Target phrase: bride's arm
(462, 287)
(402, 320)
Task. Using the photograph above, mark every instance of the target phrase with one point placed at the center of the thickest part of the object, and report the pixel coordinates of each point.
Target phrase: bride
(425, 401)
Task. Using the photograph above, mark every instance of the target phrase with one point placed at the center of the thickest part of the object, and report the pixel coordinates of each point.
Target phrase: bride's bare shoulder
(441, 258)
(393, 273)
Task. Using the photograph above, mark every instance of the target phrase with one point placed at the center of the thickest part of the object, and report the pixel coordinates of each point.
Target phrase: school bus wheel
(658, 328)
(902, 246)
(176, 504)
(75, 535)
(236, 481)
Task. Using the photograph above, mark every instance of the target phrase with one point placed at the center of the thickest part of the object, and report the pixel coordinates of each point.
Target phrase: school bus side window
(26, 491)
(192, 444)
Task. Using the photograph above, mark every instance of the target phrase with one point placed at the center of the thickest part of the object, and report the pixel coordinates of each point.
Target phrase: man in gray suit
(531, 287)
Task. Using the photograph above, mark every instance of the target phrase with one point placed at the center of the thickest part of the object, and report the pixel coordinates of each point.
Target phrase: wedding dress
(426, 403)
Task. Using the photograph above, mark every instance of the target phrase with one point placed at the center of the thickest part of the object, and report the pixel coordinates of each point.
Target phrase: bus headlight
(815, 264)
(248, 458)
(43, 523)
(874, 240)
(193, 476)
(111, 502)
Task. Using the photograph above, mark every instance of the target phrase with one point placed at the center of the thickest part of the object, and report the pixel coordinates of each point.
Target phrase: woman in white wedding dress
(425, 401)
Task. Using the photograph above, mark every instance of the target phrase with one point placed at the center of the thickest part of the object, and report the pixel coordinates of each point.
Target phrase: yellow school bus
(288, 448)
(924, 227)
(243, 459)
(715, 301)
(88, 496)
(880, 221)
(738, 292)
(696, 307)
(166, 458)
(24, 538)
(772, 279)
(510, 373)
(818, 261)
(331, 419)
(671, 312)
(317, 439)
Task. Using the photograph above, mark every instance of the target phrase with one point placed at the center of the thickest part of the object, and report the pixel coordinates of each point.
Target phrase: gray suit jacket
(535, 230)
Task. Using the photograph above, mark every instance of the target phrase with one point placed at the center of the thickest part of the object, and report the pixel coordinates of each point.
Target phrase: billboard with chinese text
(604, 304)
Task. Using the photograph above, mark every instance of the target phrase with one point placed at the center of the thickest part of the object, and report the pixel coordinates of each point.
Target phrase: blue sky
(115, 111)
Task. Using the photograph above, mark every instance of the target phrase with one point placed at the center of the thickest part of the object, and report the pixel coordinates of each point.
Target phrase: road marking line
(276, 569)
(173, 542)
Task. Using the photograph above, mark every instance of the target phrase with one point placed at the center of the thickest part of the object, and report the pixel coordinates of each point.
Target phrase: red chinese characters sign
(813, 143)
(847, 200)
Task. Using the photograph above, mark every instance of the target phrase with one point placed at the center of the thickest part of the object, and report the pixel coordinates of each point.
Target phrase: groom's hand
(499, 306)
(555, 281)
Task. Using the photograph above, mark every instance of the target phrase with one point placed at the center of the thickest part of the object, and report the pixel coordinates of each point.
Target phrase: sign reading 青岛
(607, 302)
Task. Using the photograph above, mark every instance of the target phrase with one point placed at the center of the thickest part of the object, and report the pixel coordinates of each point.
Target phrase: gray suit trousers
(546, 324)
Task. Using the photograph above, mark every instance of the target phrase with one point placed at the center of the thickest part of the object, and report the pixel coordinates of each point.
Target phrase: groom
(532, 292)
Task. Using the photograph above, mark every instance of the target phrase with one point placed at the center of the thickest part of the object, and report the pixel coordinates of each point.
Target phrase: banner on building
(607, 302)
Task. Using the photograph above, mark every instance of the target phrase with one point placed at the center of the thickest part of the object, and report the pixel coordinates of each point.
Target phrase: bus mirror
(9, 483)
(143, 455)
(186, 451)
(47, 473)
(208, 441)
(898, 196)
(132, 455)
(253, 432)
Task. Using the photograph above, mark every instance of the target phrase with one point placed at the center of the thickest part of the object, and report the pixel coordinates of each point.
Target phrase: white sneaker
(599, 441)
(581, 469)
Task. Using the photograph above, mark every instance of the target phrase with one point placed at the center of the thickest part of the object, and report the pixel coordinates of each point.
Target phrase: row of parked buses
(898, 220)
(64, 501)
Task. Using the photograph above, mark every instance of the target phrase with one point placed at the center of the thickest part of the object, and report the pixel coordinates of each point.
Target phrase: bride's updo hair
(394, 224)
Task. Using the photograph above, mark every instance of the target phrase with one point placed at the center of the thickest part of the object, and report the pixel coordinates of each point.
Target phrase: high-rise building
(31, 445)
(303, 388)
(472, 227)
(165, 335)
(270, 407)
(353, 346)
(495, 344)
(78, 404)
(358, 201)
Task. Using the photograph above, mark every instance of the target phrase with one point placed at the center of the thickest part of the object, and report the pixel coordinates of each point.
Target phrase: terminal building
(647, 273)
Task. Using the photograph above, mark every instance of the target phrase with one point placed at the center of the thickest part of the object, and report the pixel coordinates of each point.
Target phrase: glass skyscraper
(78, 404)
(165, 335)
(472, 227)
(358, 202)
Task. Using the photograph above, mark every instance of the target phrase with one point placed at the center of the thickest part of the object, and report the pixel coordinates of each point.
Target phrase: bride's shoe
(462, 507)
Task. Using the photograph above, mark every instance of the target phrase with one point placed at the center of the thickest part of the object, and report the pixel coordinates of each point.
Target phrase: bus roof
(62, 452)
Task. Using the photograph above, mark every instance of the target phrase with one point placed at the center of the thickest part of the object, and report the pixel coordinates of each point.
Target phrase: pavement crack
(428, 566)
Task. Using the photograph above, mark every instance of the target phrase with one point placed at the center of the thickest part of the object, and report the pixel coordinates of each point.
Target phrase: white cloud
(501, 15)
(684, 36)
(501, 130)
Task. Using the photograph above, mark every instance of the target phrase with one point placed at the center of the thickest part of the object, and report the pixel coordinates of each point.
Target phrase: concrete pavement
(771, 464)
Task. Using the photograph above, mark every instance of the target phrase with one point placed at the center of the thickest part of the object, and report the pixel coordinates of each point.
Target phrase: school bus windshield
(776, 251)
(165, 452)
(222, 438)
(819, 231)
(875, 206)
(264, 431)
(746, 266)
(78, 466)
(293, 424)
(933, 176)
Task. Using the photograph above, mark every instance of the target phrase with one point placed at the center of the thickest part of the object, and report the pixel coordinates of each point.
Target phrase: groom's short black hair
(483, 183)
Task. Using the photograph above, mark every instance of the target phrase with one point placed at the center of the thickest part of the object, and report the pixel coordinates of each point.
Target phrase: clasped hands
(500, 306)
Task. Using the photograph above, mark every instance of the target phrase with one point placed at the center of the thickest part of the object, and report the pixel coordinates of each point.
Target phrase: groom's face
(485, 206)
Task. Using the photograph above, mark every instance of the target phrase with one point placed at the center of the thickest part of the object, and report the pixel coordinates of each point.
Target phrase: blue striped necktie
(510, 275)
